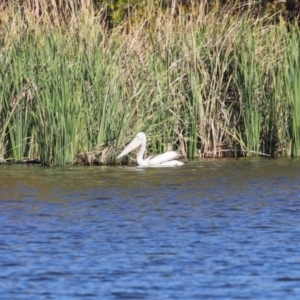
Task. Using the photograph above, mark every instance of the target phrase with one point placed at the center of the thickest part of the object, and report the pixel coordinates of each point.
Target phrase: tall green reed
(201, 83)
(292, 78)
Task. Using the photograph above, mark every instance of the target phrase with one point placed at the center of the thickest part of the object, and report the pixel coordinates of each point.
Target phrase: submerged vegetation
(208, 83)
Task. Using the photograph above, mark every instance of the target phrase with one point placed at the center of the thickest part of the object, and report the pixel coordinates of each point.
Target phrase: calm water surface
(214, 229)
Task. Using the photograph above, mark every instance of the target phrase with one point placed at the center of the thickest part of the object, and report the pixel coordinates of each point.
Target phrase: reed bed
(208, 84)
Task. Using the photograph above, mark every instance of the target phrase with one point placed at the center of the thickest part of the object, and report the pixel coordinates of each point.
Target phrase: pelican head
(140, 139)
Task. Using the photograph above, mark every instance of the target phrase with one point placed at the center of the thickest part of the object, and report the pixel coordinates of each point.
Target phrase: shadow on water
(214, 229)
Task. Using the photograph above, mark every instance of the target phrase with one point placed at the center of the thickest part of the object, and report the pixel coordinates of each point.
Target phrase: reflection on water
(226, 229)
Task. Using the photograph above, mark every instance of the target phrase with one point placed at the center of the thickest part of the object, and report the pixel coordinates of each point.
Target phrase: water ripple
(210, 230)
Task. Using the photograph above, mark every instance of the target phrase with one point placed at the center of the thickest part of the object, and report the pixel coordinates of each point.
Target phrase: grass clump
(207, 83)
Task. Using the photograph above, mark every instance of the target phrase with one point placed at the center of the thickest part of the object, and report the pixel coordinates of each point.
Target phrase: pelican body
(169, 158)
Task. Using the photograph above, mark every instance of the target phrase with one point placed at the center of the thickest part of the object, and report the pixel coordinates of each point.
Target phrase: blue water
(214, 229)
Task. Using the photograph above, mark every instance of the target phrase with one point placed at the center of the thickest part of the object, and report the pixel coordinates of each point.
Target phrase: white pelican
(169, 158)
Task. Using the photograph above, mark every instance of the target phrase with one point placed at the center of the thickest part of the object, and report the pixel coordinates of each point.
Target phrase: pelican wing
(165, 158)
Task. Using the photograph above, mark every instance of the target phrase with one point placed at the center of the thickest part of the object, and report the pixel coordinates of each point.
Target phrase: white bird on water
(169, 158)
